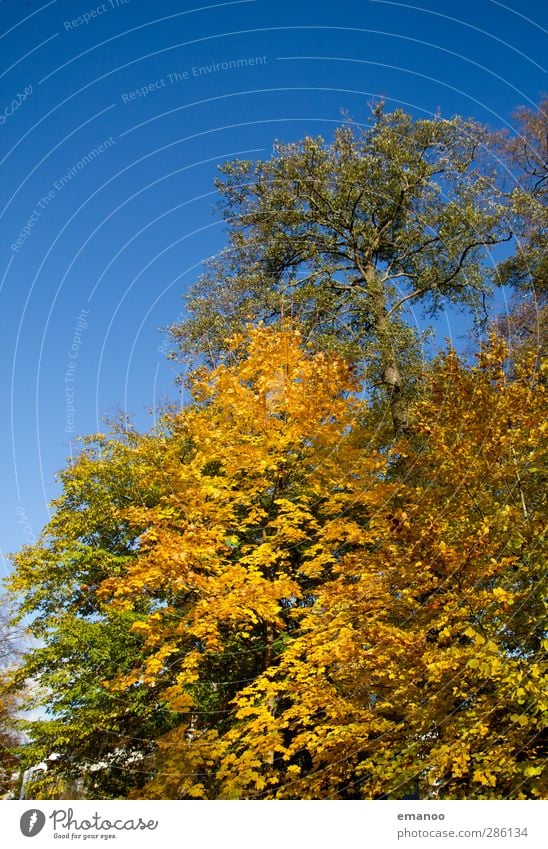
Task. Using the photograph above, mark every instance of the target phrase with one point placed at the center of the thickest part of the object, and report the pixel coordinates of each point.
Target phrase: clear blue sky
(106, 203)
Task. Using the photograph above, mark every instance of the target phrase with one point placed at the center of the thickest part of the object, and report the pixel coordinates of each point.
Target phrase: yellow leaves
(531, 771)
(232, 540)
(178, 699)
(520, 718)
(488, 662)
(293, 771)
(156, 662)
(503, 596)
(449, 760)
(484, 529)
(197, 791)
(123, 681)
(521, 695)
(474, 635)
(247, 710)
(263, 556)
(444, 634)
(460, 764)
(438, 669)
(320, 614)
(142, 628)
(342, 528)
(213, 491)
(487, 779)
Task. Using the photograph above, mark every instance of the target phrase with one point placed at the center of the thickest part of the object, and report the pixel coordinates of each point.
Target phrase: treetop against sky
(126, 236)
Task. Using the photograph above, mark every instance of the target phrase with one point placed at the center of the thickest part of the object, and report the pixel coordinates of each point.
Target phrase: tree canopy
(271, 594)
(346, 235)
(9, 737)
(526, 154)
(254, 602)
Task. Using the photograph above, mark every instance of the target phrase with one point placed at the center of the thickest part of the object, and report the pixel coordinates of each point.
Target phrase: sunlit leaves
(256, 605)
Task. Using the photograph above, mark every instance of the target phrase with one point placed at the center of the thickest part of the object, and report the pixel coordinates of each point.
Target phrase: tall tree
(420, 654)
(525, 153)
(175, 565)
(277, 614)
(98, 734)
(96, 534)
(346, 235)
(422, 657)
(9, 737)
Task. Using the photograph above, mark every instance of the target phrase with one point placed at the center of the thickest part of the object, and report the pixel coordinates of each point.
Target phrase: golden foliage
(328, 619)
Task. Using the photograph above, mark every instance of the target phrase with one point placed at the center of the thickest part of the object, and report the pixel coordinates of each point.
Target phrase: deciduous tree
(346, 235)
(9, 738)
(525, 154)
(262, 606)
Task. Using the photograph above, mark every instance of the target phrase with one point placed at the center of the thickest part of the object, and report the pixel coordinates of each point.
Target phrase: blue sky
(113, 119)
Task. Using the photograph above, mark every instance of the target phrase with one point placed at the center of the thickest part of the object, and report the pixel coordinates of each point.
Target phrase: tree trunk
(267, 660)
(390, 371)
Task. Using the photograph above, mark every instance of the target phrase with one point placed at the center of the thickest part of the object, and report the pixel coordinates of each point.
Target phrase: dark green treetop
(347, 235)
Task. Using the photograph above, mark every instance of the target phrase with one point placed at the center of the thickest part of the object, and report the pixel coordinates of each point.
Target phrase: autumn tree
(277, 614)
(525, 154)
(98, 734)
(421, 658)
(175, 565)
(9, 737)
(9, 740)
(420, 654)
(346, 235)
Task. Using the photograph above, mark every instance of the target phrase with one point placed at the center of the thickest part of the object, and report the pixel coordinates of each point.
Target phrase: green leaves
(294, 618)
(345, 235)
(269, 596)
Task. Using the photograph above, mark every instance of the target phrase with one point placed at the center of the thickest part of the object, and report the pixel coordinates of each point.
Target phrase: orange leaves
(392, 600)
(324, 619)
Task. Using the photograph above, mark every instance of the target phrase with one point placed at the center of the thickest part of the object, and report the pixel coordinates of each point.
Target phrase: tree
(346, 235)
(277, 613)
(525, 154)
(99, 735)
(422, 657)
(9, 738)
(177, 563)
(9, 741)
